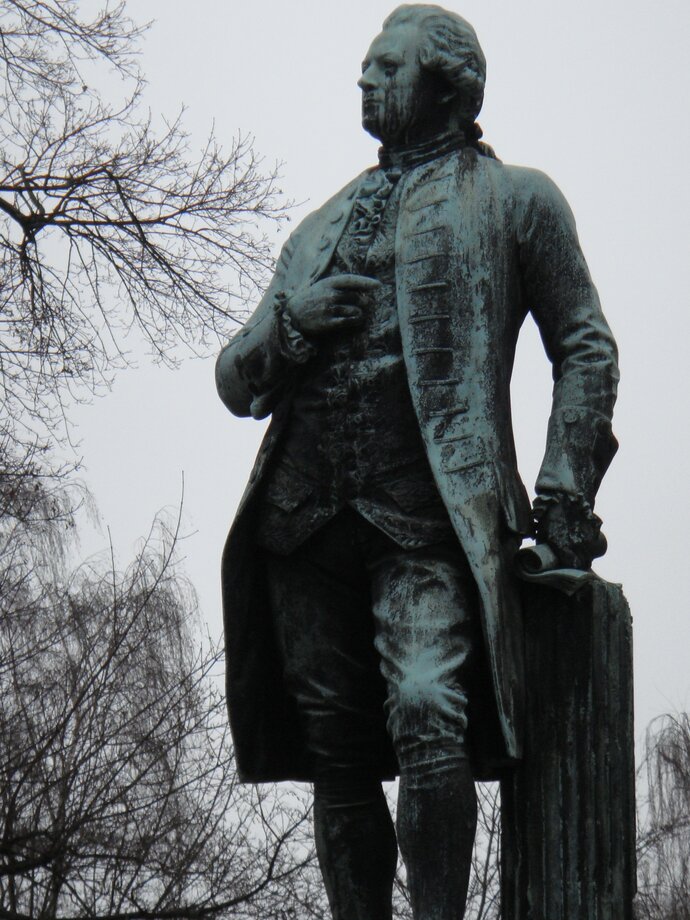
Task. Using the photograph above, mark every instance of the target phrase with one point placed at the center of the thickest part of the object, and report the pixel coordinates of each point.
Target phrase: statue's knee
(424, 709)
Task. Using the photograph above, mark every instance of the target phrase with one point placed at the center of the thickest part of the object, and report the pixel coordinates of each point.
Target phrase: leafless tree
(118, 795)
(484, 896)
(664, 822)
(108, 222)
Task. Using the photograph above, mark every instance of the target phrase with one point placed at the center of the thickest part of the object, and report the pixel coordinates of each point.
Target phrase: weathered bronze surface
(374, 617)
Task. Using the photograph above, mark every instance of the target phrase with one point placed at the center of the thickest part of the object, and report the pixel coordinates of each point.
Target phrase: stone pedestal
(568, 812)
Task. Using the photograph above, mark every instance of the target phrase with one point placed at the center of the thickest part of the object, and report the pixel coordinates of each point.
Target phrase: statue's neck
(406, 156)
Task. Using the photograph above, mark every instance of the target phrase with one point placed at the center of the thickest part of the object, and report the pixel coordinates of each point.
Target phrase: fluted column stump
(568, 811)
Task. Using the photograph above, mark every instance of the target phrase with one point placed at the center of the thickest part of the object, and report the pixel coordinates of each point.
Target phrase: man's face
(400, 100)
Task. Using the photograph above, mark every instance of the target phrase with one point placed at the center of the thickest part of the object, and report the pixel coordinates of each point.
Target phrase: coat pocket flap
(286, 489)
(410, 494)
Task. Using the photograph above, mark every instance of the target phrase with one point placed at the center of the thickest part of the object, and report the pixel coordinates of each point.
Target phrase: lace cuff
(292, 343)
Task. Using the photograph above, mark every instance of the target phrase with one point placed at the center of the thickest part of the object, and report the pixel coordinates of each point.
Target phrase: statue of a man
(373, 622)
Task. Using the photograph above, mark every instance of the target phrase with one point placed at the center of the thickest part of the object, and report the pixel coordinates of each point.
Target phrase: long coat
(478, 246)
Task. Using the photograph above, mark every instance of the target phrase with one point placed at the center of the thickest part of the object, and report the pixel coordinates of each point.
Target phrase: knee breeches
(377, 644)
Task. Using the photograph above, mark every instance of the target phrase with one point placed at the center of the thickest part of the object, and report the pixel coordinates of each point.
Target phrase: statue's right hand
(331, 304)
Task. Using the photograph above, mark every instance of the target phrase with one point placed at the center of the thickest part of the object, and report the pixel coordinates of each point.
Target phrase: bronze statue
(373, 618)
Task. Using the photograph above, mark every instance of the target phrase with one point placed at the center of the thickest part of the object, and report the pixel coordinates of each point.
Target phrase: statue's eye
(390, 68)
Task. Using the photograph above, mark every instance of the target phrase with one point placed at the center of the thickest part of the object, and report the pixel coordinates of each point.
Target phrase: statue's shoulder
(316, 232)
(529, 199)
(336, 203)
(533, 199)
(348, 192)
(534, 191)
(311, 229)
(521, 184)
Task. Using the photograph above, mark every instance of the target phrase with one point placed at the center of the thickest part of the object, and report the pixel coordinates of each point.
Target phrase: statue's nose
(366, 81)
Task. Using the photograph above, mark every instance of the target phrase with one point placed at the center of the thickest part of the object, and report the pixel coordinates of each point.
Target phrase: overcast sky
(596, 94)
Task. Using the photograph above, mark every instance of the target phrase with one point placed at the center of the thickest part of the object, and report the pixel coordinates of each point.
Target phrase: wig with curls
(449, 46)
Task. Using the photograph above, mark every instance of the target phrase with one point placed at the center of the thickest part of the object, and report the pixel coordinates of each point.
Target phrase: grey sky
(593, 93)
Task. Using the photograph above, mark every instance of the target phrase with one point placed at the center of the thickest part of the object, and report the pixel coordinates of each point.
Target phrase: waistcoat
(352, 437)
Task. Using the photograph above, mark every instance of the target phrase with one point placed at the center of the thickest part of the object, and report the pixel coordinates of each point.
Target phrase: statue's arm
(254, 367)
(578, 341)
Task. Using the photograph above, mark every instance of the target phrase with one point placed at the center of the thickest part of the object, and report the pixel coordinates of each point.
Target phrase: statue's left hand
(568, 525)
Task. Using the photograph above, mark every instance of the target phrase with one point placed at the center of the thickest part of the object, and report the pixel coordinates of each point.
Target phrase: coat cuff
(293, 345)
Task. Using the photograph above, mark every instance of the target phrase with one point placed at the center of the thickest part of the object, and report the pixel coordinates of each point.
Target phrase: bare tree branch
(118, 794)
(108, 224)
(663, 842)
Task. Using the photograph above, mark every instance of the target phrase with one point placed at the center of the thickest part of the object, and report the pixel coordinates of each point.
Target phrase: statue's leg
(322, 613)
(426, 610)
(356, 847)
(437, 817)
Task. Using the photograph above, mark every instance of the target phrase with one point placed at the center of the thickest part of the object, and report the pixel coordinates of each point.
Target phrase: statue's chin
(371, 126)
